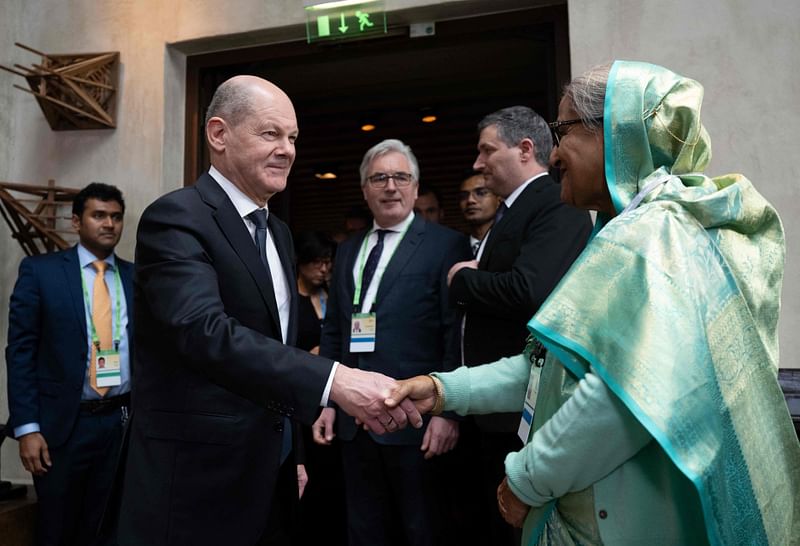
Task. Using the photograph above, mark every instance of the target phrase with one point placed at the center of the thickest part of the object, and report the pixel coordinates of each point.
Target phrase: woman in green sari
(656, 416)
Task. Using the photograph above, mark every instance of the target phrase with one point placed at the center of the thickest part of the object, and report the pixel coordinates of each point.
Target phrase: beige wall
(745, 55)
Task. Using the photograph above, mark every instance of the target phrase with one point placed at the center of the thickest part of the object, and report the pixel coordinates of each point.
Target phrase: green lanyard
(362, 258)
(118, 314)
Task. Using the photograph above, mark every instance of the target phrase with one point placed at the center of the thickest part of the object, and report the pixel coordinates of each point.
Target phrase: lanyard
(362, 257)
(117, 315)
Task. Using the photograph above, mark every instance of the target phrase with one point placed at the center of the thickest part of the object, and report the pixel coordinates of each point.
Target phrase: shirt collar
(401, 227)
(243, 204)
(513, 197)
(85, 257)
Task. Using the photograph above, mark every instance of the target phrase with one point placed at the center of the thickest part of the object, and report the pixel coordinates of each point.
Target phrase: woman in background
(314, 251)
(322, 505)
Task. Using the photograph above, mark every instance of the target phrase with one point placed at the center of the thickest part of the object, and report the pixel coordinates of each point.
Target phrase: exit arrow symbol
(343, 27)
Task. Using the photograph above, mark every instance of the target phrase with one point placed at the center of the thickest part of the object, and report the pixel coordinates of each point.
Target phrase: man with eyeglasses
(533, 242)
(388, 311)
(479, 205)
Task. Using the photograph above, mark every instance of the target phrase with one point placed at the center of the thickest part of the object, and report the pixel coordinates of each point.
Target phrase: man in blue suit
(388, 311)
(68, 312)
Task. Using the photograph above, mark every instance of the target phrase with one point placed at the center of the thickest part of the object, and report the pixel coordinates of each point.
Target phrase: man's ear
(216, 131)
(76, 222)
(527, 150)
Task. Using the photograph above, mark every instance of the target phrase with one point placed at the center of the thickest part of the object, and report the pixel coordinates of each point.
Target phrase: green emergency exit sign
(344, 21)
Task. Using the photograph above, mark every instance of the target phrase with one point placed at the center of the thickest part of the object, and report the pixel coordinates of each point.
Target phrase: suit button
(278, 427)
(603, 514)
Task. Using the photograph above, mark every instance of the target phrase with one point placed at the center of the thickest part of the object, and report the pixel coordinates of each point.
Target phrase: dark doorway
(469, 68)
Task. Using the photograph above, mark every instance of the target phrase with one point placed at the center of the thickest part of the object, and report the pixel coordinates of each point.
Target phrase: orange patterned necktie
(101, 317)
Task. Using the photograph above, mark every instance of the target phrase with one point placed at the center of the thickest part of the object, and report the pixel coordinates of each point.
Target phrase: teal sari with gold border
(674, 305)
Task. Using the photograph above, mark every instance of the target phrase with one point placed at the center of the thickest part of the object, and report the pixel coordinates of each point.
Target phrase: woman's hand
(419, 389)
(513, 510)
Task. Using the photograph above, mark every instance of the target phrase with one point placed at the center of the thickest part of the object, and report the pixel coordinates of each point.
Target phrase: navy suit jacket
(47, 342)
(417, 329)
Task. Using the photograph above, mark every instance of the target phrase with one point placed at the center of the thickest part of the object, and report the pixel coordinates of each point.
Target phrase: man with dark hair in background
(479, 205)
(68, 358)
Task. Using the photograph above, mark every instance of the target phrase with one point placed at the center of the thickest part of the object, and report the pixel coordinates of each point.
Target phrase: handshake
(381, 403)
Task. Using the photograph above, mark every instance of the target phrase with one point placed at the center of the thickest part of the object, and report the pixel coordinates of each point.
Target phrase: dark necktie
(501, 210)
(372, 264)
(475, 247)
(259, 218)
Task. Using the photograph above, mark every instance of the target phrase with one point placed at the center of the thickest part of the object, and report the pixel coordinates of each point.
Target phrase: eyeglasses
(379, 180)
(479, 193)
(558, 132)
(321, 262)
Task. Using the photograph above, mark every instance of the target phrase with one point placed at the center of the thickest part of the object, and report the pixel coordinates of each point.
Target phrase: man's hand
(362, 395)
(322, 429)
(34, 454)
(440, 437)
(302, 480)
(419, 390)
(513, 510)
(471, 264)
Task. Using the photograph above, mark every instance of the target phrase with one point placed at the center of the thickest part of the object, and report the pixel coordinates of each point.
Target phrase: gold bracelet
(438, 393)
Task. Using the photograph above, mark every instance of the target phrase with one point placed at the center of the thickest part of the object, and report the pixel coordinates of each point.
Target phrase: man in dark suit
(533, 242)
(69, 311)
(388, 311)
(210, 458)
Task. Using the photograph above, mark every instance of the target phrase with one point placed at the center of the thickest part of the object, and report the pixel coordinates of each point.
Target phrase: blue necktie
(372, 264)
(259, 218)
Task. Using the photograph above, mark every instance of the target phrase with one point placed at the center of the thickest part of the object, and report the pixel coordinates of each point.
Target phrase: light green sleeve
(591, 435)
(490, 388)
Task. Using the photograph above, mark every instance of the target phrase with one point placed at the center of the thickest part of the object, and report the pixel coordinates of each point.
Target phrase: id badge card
(362, 332)
(528, 407)
(107, 368)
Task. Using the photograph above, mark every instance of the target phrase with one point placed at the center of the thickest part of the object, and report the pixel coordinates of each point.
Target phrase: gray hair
(516, 123)
(231, 102)
(385, 147)
(587, 93)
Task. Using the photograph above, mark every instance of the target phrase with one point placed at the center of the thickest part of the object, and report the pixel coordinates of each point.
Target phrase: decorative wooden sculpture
(38, 222)
(74, 91)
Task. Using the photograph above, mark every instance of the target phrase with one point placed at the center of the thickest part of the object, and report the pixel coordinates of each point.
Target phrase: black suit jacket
(525, 256)
(47, 342)
(213, 379)
(417, 329)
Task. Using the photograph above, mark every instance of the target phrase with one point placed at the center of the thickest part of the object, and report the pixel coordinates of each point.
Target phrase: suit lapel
(509, 222)
(232, 227)
(72, 272)
(405, 250)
